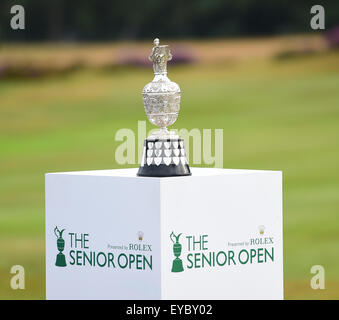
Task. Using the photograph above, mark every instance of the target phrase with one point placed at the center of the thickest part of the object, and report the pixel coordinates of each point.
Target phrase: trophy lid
(161, 83)
(159, 56)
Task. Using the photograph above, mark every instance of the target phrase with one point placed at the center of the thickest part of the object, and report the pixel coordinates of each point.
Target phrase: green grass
(281, 115)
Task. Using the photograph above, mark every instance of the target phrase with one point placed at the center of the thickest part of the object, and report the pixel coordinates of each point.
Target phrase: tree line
(103, 20)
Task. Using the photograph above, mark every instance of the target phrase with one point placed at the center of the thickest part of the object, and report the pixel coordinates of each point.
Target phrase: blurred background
(256, 69)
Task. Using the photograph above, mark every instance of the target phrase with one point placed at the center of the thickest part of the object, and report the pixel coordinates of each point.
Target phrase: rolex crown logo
(261, 229)
(140, 235)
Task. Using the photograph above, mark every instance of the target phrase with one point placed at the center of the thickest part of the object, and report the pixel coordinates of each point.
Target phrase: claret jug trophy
(163, 152)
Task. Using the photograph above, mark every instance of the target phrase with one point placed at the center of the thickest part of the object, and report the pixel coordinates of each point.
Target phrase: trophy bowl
(61, 244)
(162, 101)
(177, 249)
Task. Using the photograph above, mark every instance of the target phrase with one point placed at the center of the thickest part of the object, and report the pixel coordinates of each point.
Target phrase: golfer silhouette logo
(60, 259)
(177, 263)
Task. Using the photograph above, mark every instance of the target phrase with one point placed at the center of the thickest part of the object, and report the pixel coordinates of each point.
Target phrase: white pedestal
(219, 212)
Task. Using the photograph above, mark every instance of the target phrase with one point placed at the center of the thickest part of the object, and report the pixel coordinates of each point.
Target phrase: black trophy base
(164, 171)
(60, 260)
(177, 265)
(164, 158)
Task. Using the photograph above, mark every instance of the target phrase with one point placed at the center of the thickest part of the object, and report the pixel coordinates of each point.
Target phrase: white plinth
(219, 212)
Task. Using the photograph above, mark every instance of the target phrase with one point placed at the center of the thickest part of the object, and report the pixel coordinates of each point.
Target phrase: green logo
(60, 259)
(177, 263)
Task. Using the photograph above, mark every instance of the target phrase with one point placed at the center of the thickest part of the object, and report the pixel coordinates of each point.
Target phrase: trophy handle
(171, 236)
(58, 233)
(175, 237)
(55, 232)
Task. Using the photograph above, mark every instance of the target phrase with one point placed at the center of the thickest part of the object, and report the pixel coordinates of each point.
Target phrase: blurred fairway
(276, 114)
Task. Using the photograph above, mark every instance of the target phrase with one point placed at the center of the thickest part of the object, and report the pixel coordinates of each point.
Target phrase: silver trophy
(163, 153)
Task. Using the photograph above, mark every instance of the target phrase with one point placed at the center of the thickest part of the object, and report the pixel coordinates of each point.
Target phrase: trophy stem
(164, 130)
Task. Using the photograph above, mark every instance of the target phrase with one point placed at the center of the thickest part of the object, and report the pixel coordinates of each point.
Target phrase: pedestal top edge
(196, 172)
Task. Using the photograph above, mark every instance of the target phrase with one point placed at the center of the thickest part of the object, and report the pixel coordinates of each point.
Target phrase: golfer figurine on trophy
(163, 153)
